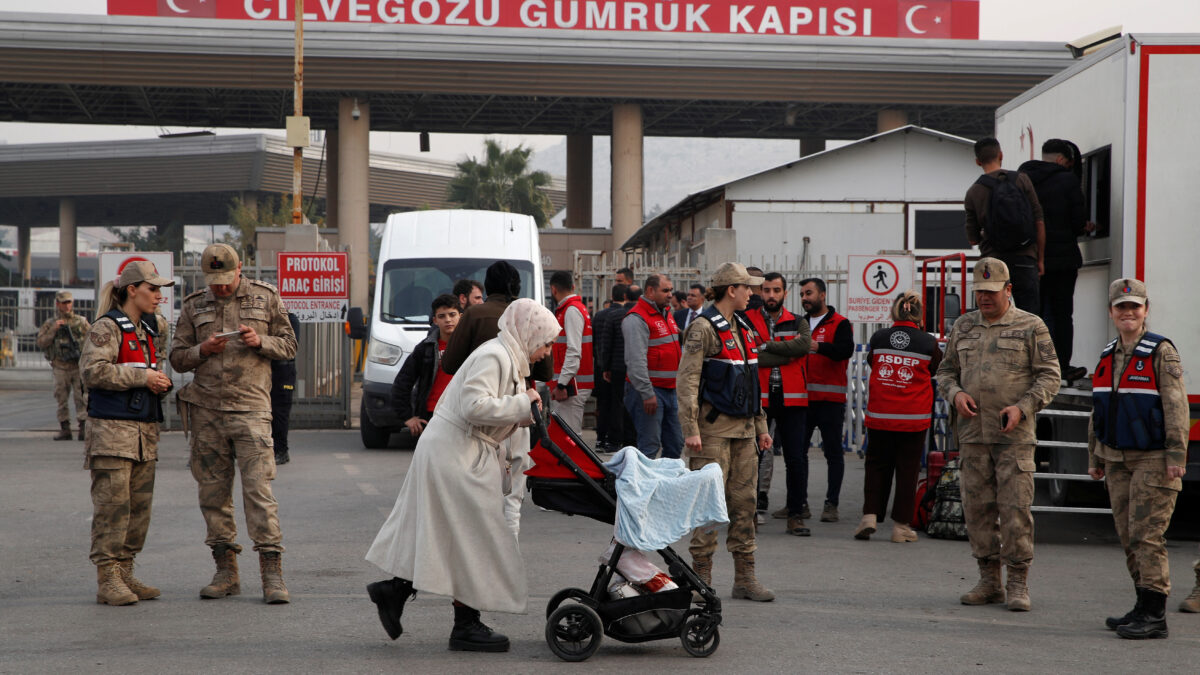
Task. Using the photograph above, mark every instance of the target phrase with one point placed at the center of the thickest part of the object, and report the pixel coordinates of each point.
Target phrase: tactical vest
(583, 378)
(900, 393)
(1129, 416)
(729, 379)
(138, 404)
(65, 346)
(826, 377)
(662, 357)
(795, 373)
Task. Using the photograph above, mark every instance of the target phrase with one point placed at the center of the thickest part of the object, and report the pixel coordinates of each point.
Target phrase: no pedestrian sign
(874, 282)
(315, 286)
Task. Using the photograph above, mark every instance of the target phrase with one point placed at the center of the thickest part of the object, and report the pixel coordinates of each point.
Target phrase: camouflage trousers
(738, 459)
(222, 442)
(1143, 499)
(122, 490)
(66, 384)
(997, 493)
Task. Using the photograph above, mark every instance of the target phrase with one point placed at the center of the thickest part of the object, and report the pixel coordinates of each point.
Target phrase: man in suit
(608, 432)
(693, 305)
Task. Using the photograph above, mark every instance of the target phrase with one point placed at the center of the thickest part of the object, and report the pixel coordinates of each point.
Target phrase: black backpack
(1010, 217)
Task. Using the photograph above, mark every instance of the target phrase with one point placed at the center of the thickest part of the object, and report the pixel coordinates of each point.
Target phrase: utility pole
(297, 125)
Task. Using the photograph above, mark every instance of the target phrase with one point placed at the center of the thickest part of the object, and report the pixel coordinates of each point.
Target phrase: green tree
(502, 181)
(244, 220)
(142, 238)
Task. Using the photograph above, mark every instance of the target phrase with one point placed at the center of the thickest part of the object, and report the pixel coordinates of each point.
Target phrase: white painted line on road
(351, 469)
(341, 455)
(368, 489)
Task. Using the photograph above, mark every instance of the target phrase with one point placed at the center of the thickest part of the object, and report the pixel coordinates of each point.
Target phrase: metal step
(1053, 412)
(1064, 476)
(1069, 509)
(1062, 444)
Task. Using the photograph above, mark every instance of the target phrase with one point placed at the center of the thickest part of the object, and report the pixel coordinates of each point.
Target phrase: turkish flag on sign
(206, 9)
(929, 19)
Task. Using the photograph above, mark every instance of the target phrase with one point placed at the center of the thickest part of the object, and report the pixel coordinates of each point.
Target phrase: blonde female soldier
(119, 365)
(1138, 442)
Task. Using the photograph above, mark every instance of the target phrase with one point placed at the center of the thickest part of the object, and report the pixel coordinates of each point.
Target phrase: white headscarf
(525, 326)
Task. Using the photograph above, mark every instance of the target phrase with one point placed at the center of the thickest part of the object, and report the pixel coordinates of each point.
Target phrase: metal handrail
(962, 261)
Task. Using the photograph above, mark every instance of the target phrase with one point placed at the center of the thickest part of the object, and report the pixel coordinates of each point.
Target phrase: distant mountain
(674, 167)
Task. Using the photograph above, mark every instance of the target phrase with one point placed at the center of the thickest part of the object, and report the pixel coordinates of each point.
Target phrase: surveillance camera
(355, 113)
(1090, 43)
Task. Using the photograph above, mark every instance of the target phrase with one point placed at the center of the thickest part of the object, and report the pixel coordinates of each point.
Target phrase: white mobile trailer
(1130, 107)
(421, 255)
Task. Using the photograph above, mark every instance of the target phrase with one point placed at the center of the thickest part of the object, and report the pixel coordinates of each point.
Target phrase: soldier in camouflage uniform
(227, 407)
(62, 339)
(999, 370)
(713, 433)
(1137, 441)
(120, 366)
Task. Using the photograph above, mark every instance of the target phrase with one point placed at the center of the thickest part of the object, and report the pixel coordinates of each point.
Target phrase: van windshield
(411, 284)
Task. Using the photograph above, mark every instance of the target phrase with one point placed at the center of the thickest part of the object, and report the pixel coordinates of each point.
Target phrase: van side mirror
(357, 325)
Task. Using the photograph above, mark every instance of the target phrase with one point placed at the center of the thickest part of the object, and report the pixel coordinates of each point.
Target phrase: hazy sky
(1049, 20)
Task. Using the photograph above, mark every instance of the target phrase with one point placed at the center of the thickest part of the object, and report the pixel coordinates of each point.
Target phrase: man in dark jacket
(1059, 192)
(608, 433)
(612, 368)
(283, 388)
(420, 382)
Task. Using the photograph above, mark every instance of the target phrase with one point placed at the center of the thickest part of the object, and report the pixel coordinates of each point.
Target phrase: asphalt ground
(842, 605)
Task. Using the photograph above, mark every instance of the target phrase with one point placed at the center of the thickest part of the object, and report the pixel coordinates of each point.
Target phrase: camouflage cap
(137, 271)
(1127, 290)
(731, 273)
(220, 264)
(63, 296)
(990, 275)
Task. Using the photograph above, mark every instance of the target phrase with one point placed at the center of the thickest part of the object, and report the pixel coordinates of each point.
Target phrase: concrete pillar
(331, 178)
(68, 249)
(250, 200)
(627, 172)
(811, 145)
(353, 200)
(24, 258)
(579, 181)
(889, 119)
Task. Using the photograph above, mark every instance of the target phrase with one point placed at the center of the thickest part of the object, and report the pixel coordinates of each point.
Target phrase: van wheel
(373, 437)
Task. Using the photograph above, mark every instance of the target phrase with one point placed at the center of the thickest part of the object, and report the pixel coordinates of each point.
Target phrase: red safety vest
(795, 373)
(900, 391)
(826, 377)
(662, 358)
(583, 378)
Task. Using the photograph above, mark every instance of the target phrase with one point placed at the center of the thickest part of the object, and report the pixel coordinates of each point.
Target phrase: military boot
(225, 581)
(1113, 621)
(703, 566)
(987, 591)
(111, 590)
(745, 585)
(1018, 592)
(64, 433)
(1151, 622)
(389, 597)
(142, 591)
(82, 425)
(472, 635)
(1191, 604)
(270, 564)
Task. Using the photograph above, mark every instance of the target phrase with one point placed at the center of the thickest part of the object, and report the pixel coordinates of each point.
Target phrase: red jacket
(795, 373)
(662, 358)
(826, 375)
(583, 380)
(900, 392)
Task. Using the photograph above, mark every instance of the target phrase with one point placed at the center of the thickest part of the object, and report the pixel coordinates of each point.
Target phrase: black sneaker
(282, 458)
(1074, 373)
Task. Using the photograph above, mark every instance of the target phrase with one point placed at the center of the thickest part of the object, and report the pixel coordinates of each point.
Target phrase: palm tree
(502, 182)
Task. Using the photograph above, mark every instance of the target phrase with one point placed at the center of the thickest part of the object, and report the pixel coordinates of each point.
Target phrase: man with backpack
(1005, 219)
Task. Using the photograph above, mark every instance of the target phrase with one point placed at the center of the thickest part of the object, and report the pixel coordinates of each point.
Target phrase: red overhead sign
(957, 19)
(315, 286)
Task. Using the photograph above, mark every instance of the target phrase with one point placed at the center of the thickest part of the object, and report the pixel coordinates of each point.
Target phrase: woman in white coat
(447, 534)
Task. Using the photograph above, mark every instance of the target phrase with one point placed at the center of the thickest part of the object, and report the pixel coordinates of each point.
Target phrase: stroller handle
(539, 422)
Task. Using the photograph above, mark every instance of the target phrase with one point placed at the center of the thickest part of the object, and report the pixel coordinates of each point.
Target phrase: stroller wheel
(574, 631)
(567, 594)
(700, 636)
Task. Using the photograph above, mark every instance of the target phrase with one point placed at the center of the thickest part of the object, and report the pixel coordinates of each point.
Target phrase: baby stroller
(568, 477)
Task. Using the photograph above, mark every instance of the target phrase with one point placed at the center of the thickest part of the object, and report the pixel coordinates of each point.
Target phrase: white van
(421, 256)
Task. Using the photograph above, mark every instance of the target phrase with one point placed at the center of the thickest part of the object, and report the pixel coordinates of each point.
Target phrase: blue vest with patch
(1127, 410)
(138, 404)
(729, 379)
